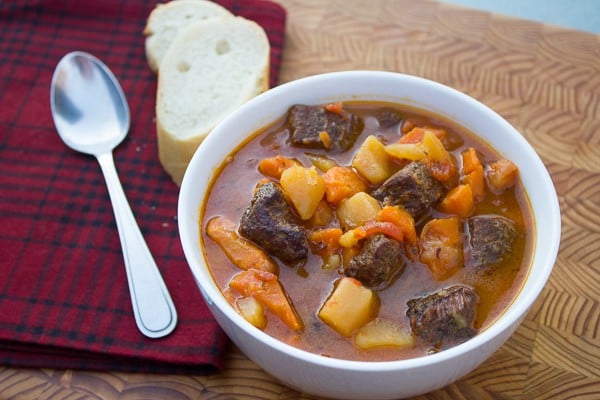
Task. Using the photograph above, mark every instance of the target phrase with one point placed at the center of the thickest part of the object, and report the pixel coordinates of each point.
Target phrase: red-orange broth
(308, 285)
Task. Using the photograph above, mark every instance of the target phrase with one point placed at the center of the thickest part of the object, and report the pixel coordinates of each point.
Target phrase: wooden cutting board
(546, 82)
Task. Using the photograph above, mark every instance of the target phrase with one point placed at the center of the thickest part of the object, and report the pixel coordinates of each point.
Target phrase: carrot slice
(444, 171)
(335, 108)
(407, 126)
(502, 175)
(401, 218)
(470, 160)
(325, 139)
(326, 241)
(473, 173)
(476, 180)
(266, 289)
(458, 201)
(415, 135)
(240, 251)
(441, 246)
(274, 166)
(341, 183)
(352, 237)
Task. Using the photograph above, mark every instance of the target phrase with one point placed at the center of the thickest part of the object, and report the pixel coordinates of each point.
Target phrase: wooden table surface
(546, 82)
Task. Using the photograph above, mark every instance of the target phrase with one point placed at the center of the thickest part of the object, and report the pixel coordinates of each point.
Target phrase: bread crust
(166, 21)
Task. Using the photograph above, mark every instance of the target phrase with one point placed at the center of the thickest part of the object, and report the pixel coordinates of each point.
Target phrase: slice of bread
(211, 68)
(167, 20)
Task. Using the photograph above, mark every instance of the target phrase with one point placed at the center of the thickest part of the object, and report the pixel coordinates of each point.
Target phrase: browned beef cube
(269, 222)
(379, 262)
(412, 187)
(388, 117)
(307, 123)
(492, 239)
(445, 317)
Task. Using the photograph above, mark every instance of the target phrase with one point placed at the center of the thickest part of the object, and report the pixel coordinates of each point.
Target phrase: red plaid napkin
(64, 300)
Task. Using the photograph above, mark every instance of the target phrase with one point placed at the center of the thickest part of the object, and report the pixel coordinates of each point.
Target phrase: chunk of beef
(269, 222)
(307, 123)
(388, 117)
(444, 317)
(492, 239)
(379, 262)
(412, 187)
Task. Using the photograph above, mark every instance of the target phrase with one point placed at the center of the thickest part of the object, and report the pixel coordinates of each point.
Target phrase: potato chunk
(357, 210)
(435, 148)
(372, 162)
(406, 151)
(382, 333)
(430, 146)
(349, 306)
(252, 311)
(304, 187)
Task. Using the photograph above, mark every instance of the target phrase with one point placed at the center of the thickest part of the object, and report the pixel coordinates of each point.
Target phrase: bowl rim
(509, 319)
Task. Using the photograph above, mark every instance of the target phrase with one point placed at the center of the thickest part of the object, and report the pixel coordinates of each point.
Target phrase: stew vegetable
(367, 231)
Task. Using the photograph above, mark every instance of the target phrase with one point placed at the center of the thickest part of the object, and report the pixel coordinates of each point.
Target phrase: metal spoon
(92, 116)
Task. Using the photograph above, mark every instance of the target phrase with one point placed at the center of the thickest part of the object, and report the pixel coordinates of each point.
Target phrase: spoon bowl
(91, 115)
(89, 107)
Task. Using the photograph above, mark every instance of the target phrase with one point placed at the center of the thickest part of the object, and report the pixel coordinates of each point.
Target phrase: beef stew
(383, 209)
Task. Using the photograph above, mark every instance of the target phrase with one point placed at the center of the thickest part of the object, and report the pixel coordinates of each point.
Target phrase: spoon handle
(154, 311)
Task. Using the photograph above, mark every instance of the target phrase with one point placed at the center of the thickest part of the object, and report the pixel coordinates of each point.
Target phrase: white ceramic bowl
(336, 378)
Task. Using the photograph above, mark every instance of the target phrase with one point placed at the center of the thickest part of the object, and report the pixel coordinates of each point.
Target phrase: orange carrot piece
(351, 237)
(341, 183)
(401, 218)
(470, 160)
(325, 139)
(444, 171)
(458, 201)
(473, 173)
(476, 180)
(407, 126)
(326, 241)
(335, 108)
(240, 251)
(502, 175)
(390, 229)
(415, 135)
(266, 289)
(274, 166)
(441, 247)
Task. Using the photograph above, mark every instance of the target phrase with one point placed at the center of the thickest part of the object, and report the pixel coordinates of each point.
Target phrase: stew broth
(308, 285)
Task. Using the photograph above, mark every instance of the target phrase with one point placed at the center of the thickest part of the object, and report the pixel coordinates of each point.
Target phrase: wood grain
(542, 79)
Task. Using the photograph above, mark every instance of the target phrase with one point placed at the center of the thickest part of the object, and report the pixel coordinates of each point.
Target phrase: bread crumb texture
(211, 68)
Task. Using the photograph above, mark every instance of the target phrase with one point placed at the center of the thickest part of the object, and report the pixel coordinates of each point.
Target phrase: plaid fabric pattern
(64, 300)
